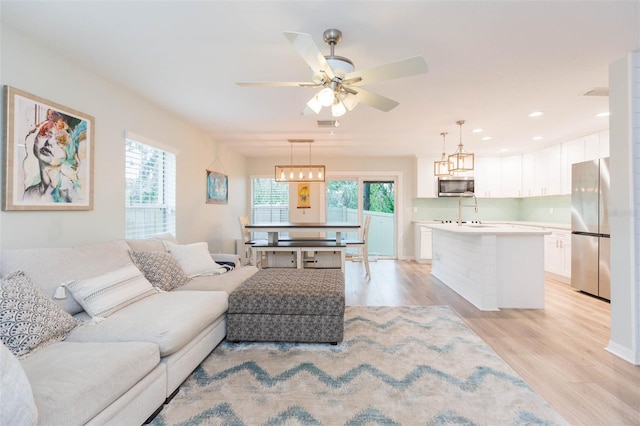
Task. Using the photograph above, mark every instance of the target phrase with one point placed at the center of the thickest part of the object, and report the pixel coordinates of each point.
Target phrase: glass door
(351, 199)
(378, 201)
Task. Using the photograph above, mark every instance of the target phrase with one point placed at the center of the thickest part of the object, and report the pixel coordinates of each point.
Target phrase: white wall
(41, 71)
(404, 167)
(624, 88)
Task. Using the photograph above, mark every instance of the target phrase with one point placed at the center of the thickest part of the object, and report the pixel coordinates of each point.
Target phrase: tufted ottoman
(288, 305)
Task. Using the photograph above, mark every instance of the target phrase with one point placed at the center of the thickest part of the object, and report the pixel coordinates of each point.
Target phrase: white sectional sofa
(122, 368)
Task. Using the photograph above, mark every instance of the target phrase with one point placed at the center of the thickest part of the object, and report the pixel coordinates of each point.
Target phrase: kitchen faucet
(475, 200)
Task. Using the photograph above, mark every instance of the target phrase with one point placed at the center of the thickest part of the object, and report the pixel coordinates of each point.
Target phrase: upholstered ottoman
(288, 305)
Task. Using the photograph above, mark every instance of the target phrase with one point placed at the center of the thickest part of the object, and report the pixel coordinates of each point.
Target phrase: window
(150, 190)
(269, 202)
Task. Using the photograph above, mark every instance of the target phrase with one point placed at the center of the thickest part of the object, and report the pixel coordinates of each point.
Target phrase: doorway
(351, 199)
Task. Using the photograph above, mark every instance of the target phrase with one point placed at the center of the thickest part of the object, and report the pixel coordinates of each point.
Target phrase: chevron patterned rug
(396, 366)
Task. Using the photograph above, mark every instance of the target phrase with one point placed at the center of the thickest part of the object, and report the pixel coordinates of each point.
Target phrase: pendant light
(441, 168)
(461, 160)
(300, 173)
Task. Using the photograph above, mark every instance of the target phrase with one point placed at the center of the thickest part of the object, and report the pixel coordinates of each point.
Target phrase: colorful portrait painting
(217, 188)
(48, 155)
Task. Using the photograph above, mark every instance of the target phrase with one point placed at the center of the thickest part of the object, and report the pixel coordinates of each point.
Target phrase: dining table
(275, 242)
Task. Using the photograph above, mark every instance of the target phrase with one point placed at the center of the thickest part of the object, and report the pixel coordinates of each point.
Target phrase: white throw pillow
(18, 405)
(105, 294)
(194, 259)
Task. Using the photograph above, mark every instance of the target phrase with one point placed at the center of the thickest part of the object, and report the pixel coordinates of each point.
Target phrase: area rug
(396, 366)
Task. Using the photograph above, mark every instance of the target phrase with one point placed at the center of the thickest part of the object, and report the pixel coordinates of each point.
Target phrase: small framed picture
(304, 196)
(217, 188)
(48, 154)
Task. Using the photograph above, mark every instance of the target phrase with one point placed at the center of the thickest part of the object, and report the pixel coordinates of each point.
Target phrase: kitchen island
(492, 266)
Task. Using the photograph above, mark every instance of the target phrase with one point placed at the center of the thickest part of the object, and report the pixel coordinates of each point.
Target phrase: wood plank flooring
(559, 351)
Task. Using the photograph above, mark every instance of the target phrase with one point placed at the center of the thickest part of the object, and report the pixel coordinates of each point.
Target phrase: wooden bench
(298, 247)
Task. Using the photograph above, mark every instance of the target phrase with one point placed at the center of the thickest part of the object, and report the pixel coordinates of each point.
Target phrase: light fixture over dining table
(297, 172)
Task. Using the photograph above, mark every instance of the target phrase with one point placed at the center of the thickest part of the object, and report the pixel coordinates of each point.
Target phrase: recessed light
(504, 150)
(477, 131)
(535, 114)
(486, 138)
(603, 114)
(536, 138)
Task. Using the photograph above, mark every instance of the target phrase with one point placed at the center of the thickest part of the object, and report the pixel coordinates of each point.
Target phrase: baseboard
(622, 352)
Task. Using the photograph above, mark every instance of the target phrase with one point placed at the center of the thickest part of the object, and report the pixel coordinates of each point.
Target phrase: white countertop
(487, 228)
(544, 225)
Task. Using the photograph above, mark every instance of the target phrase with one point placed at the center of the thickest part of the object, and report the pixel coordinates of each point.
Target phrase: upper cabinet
(426, 181)
(534, 174)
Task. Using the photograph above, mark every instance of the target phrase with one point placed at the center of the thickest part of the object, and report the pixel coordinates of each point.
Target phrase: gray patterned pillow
(160, 268)
(28, 318)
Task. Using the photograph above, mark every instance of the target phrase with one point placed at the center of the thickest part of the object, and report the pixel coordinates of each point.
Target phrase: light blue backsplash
(555, 209)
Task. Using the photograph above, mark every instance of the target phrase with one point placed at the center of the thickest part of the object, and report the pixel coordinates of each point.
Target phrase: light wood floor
(559, 351)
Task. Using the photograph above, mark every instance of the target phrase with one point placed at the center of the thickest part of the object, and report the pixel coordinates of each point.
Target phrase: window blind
(269, 202)
(150, 190)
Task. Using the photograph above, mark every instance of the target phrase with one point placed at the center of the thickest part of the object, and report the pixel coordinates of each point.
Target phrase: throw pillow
(28, 318)
(18, 405)
(105, 294)
(160, 268)
(194, 259)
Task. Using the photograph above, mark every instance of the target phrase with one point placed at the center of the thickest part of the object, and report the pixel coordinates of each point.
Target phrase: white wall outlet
(550, 210)
(415, 210)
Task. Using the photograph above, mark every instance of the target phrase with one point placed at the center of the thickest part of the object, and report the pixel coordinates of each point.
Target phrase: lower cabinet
(557, 255)
(423, 246)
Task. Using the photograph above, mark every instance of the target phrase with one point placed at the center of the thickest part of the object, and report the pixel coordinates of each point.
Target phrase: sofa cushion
(153, 243)
(226, 282)
(73, 382)
(160, 268)
(28, 318)
(18, 405)
(105, 294)
(195, 259)
(170, 320)
(50, 267)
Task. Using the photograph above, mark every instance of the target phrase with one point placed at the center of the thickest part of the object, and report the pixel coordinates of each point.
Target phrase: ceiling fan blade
(304, 45)
(402, 68)
(350, 101)
(374, 100)
(277, 84)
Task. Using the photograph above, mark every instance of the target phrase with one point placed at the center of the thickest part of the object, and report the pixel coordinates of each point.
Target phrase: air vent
(328, 123)
(598, 91)
(300, 140)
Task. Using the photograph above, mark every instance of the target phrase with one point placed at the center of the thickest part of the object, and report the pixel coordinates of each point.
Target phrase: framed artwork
(217, 188)
(48, 155)
(304, 196)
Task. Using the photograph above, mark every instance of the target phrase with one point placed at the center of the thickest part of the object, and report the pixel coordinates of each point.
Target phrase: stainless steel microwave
(453, 186)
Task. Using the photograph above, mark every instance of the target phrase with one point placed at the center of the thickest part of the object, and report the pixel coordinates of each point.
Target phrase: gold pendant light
(441, 168)
(461, 160)
(300, 173)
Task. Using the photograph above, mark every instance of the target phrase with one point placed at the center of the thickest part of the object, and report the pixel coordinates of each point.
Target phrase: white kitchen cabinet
(423, 244)
(487, 172)
(426, 181)
(511, 176)
(541, 172)
(592, 147)
(572, 152)
(604, 144)
(527, 175)
(557, 255)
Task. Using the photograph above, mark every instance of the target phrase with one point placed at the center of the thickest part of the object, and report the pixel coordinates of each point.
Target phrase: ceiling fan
(341, 85)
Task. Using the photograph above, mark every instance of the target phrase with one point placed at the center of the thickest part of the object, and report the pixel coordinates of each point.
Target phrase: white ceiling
(490, 63)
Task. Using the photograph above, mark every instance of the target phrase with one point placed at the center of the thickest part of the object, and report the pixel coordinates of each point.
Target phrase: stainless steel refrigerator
(590, 238)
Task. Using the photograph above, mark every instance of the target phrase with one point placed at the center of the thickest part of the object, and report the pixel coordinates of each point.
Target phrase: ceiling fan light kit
(293, 173)
(461, 160)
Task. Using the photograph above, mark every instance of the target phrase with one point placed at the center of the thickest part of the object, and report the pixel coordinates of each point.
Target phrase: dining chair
(247, 240)
(364, 244)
